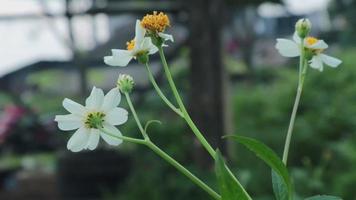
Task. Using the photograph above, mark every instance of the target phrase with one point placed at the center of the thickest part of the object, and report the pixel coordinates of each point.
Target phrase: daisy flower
(156, 24)
(292, 48)
(99, 112)
(139, 46)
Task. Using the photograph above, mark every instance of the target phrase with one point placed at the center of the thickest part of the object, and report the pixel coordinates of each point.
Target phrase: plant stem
(160, 93)
(183, 170)
(164, 155)
(143, 132)
(303, 66)
(127, 139)
(186, 116)
(188, 119)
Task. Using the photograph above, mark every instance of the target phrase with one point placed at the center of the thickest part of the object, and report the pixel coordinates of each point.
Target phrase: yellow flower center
(94, 120)
(157, 22)
(311, 40)
(130, 45)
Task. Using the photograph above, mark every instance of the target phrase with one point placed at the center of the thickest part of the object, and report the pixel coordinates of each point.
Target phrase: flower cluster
(313, 47)
(148, 36)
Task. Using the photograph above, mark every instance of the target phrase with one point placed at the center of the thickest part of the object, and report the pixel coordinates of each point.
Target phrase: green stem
(160, 93)
(183, 170)
(303, 66)
(126, 139)
(164, 155)
(143, 132)
(186, 116)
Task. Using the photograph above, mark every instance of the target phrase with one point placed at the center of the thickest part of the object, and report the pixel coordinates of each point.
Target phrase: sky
(27, 41)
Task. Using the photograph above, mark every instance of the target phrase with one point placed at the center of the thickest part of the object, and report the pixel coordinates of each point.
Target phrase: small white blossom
(140, 45)
(292, 48)
(99, 110)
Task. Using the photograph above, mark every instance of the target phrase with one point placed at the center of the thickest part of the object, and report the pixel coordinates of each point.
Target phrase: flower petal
(287, 48)
(95, 100)
(320, 44)
(120, 58)
(166, 37)
(316, 63)
(110, 139)
(93, 140)
(111, 100)
(116, 116)
(74, 107)
(68, 122)
(146, 44)
(331, 61)
(79, 140)
(140, 32)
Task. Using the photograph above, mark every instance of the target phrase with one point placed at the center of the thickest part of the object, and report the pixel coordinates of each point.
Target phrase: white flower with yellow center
(139, 46)
(292, 48)
(99, 112)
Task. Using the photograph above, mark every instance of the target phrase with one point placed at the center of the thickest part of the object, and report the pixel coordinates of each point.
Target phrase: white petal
(110, 139)
(111, 100)
(153, 49)
(120, 58)
(320, 44)
(287, 48)
(140, 32)
(146, 44)
(68, 122)
(331, 61)
(95, 99)
(93, 140)
(116, 116)
(79, 140)
(316, 63)
(296, 38)
(166, 37)
(74, 107)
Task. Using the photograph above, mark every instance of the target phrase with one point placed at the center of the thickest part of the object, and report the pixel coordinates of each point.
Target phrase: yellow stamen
(130, 45)
(157, 22)
(311, 40)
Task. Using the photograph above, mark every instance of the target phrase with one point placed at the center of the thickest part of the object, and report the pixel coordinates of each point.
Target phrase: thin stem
(160, 93)
(302, 72)
(127, 139)
(189, 121)
(183, 170)
(143, 132)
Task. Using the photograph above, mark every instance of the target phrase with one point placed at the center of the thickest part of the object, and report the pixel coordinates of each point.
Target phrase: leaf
(279, 188)
(271, 159)
(323, 197)
(230, 189)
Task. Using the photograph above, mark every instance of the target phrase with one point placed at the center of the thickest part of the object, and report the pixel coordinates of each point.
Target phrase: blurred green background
(259, 89)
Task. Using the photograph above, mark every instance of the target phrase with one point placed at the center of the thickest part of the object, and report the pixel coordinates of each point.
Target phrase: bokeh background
(228, 72)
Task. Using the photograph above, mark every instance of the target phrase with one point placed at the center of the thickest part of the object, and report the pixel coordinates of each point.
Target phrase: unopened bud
(303, 27)
(125, 83)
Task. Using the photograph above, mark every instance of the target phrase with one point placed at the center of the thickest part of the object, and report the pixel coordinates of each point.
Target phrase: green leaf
(270, 158)
(323, 197)
(279, 188)
(230, 189)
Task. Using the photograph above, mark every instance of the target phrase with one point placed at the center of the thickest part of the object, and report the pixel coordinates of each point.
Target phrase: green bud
(303, 27)
(125, 83)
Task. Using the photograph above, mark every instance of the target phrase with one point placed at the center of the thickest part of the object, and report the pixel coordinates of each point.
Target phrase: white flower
(291, 48)
(99, 110)
(136, 47)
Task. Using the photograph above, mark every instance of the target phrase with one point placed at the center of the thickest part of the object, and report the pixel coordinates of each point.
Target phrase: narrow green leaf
(279, 188)
(323, 197)
(229, 188)
(270, 158)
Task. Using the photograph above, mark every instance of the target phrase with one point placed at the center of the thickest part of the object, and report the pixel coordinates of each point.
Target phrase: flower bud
(303, 27)
(125, 83)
